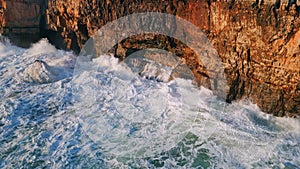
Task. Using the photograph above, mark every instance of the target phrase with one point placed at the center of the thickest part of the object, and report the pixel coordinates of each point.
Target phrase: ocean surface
(108, 116)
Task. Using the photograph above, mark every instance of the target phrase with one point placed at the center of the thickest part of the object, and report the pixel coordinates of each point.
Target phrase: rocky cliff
(258, 41)
(22, 20)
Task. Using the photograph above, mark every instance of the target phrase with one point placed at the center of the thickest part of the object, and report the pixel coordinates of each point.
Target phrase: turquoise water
(114, 118)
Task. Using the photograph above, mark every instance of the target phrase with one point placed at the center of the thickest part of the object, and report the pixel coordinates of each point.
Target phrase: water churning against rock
(115, 118)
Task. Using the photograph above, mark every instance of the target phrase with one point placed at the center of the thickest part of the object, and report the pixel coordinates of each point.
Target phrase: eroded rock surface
(22, 20)
(258, 41)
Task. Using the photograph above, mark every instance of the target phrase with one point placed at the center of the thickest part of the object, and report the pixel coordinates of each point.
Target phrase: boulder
(39, 72)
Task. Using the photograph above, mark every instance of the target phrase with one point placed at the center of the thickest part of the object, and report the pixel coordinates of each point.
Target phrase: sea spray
(39, 126)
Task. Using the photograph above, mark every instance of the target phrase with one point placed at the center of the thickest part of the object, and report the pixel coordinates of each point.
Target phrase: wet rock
(39, 72)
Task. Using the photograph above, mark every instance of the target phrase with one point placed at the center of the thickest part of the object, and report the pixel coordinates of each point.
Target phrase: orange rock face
(22, 14)
(22, 20)
(2, 11)
(17, 16)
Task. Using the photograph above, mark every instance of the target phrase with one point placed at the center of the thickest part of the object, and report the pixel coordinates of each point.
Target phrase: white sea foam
(113, 118)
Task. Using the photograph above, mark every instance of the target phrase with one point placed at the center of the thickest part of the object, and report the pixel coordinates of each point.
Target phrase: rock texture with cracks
(258, 41)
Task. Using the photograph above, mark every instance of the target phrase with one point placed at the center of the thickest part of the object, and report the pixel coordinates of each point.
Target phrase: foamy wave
(106, 115)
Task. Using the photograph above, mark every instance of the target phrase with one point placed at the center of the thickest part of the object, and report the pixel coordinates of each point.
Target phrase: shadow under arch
(164, 24)
(186, 59)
